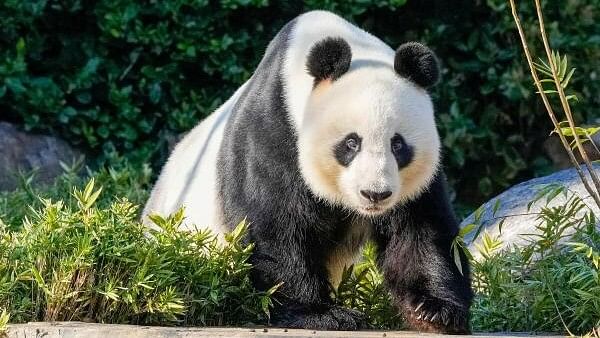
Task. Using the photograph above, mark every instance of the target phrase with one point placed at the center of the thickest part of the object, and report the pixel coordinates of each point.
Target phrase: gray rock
(513, 208)
(24, 152)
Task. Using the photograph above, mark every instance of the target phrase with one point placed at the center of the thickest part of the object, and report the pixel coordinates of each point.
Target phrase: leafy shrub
(124, 75)
(101, 264)
(121, 180)
(549, 285)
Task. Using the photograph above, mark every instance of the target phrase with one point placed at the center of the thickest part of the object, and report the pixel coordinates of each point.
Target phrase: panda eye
(402, 151)
(352, 144)
(397, 146)
(347, 148)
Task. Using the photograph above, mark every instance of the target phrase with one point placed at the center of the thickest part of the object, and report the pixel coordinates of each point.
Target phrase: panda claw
(433, 318)
(419, 317)
(419, 306)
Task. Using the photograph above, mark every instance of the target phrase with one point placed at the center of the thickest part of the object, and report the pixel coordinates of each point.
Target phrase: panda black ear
(329, 59)
(417, 63)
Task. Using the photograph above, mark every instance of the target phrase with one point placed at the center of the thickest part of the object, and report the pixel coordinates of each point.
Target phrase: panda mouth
(373, 210)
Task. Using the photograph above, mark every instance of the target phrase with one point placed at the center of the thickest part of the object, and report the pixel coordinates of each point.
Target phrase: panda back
(188, 178)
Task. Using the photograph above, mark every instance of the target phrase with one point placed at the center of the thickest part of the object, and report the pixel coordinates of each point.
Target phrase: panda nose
(374, 196)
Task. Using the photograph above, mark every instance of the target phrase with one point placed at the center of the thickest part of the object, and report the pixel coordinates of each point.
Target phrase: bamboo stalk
(549, 107)
(563, 98)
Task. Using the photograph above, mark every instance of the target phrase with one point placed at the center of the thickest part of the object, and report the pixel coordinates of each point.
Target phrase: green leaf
(496, 207)
(15, 85)
(239, 231)
(20, 48)
(552, 195)
(457, 260)
(478, 213)
(155, 93)
(565, 81)
(4, 319)
(466, 230)
(501, 225)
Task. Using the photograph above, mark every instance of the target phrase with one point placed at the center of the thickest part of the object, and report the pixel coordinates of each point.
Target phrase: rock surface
(75, 329)
(513, 207)
(20, 151)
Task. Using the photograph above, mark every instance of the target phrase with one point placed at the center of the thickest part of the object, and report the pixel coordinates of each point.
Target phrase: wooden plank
(88, 330)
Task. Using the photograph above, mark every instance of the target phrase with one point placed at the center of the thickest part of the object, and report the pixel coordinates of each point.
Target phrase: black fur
(329, 59)
(415, 256)
(294, 232)
(343, 154)
(402, 151)
(417, 63)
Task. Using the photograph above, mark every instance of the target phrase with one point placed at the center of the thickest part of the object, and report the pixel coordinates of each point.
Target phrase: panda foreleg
(416, 259)
(302, 300)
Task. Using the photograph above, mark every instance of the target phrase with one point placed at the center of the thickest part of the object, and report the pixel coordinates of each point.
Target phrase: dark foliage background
(123, 76)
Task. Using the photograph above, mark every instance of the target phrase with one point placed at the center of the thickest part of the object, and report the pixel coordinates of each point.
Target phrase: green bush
(87, 263)
(124, 75)
(549, 285)
(121, 180)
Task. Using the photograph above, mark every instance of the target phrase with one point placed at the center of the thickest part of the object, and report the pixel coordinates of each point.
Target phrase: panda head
(368, 139)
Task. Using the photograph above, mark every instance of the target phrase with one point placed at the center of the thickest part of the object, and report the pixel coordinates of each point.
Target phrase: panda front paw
(331, 318)
(436, 315)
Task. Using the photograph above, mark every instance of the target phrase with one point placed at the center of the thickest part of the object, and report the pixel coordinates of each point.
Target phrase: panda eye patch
(401, 150)
(347, 149)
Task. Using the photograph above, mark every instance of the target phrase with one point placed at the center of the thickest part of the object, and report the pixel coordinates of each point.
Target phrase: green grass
(81, 254)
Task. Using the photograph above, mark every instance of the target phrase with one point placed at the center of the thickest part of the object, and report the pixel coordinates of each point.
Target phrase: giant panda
(330, 143)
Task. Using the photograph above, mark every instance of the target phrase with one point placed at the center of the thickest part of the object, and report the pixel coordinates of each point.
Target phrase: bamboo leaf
(563, 67)
(501, 225)
(565, 81)
(456, 252)
(496, 207)
(466, 229)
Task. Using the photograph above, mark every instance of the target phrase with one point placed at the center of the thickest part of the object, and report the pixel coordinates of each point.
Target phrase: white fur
(189, 179)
